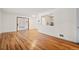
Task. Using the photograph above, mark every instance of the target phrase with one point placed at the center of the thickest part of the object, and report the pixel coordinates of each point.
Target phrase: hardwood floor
(33, 40)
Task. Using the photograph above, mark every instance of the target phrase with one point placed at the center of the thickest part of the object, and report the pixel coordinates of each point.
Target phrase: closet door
(22, 23)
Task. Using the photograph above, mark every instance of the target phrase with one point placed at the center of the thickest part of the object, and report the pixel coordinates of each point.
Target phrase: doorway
(22, 23)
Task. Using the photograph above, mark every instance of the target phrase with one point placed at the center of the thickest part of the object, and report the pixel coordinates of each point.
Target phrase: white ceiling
(27, 11)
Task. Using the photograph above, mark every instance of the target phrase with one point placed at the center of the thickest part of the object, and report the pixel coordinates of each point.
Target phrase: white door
(22, 23)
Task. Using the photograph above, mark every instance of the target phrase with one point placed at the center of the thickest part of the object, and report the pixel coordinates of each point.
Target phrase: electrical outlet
(61, 35)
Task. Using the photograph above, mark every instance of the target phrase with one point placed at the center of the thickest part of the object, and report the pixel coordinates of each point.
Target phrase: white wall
(9, 21)
(64, 23)
(0, 20)
(33, 22)
(77, 25)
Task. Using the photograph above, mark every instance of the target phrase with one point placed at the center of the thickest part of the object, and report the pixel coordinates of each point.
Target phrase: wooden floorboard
(33, 40)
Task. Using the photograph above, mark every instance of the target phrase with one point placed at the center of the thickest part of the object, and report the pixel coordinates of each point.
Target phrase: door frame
(17, 22)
